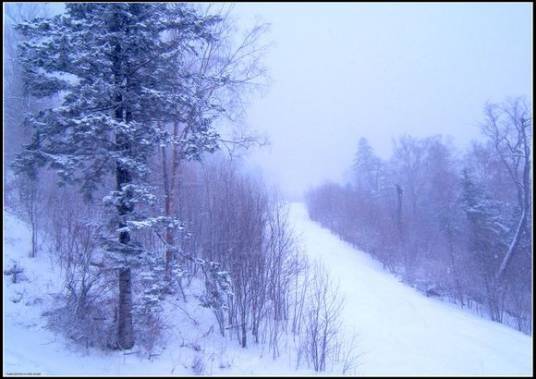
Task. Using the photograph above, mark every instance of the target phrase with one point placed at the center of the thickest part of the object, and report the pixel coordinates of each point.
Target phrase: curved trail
(401, 332)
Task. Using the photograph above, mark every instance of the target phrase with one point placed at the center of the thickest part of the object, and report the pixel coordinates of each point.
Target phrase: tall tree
(485, 238)
(367, 167)
(228, 71)
(16, 100)
(119, 75)
(508, 128)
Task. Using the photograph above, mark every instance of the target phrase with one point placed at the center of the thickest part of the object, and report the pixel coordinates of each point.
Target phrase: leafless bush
(31, 198)
(233, 220)
(86, 314)
(347, 356)
(198, 365)
(284, 264)
(150, 328)
(322, 342)
(94, 328)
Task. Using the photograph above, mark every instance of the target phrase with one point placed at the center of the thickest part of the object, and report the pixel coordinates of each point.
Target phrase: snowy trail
(401, 332)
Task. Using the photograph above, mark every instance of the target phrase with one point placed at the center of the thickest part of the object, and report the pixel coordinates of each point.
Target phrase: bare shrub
(322, 343)
(198, 365)
(233, 220)
(85, 313)
(31, 198)
(149, 329)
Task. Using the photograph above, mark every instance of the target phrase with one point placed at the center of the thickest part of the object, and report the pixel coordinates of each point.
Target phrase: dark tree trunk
(454, 267)
(524, 192)
(244, 336)
(125, 331)
(399, 209)
(167, 212)
(125, 335)
(170, 179)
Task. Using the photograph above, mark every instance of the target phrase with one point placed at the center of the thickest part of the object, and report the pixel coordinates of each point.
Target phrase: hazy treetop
(341, 71)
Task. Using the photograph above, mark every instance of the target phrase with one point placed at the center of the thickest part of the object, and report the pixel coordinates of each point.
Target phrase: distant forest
(455, 224)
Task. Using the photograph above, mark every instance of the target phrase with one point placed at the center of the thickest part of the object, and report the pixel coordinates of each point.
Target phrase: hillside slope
(400, 331)
(192, 344)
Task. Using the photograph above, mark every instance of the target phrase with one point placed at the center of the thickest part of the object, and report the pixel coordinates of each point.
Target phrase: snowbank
(402, 332)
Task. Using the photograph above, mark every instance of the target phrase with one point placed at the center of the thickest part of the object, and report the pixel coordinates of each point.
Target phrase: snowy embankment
(400, 331)
(192, 343)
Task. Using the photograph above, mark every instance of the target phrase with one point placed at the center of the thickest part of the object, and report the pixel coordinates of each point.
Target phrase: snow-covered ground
(29, 347)
(399, 331)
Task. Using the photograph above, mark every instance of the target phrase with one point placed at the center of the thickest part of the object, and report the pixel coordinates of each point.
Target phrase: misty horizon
(343, 71)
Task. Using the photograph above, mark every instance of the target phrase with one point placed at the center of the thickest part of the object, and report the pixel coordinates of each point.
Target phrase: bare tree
(322, 338)
(230, 71)
(509, 129)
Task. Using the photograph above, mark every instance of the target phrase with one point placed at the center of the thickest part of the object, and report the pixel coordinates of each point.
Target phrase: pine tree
(366, 167)
(118, 76)
(481, 213)
(486, 237)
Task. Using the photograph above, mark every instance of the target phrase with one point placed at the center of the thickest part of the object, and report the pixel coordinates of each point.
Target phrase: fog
(338, 72)
(342, 71)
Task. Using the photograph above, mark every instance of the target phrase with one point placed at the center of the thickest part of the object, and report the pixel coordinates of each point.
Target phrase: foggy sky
(342, 71)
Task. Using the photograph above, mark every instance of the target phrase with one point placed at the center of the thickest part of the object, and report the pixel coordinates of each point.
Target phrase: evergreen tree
(118, 75)
(366, 167)
(486, 237)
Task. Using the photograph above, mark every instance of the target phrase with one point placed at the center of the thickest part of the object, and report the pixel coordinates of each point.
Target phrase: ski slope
(401, 332)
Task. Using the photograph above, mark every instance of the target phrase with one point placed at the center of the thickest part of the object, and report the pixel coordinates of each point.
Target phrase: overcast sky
(345, 70)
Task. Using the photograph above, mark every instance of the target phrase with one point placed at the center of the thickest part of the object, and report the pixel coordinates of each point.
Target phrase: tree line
(454, 224)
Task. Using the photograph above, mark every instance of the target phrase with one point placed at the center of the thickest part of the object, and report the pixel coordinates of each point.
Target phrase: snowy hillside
(193, 346)
(399, 331)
